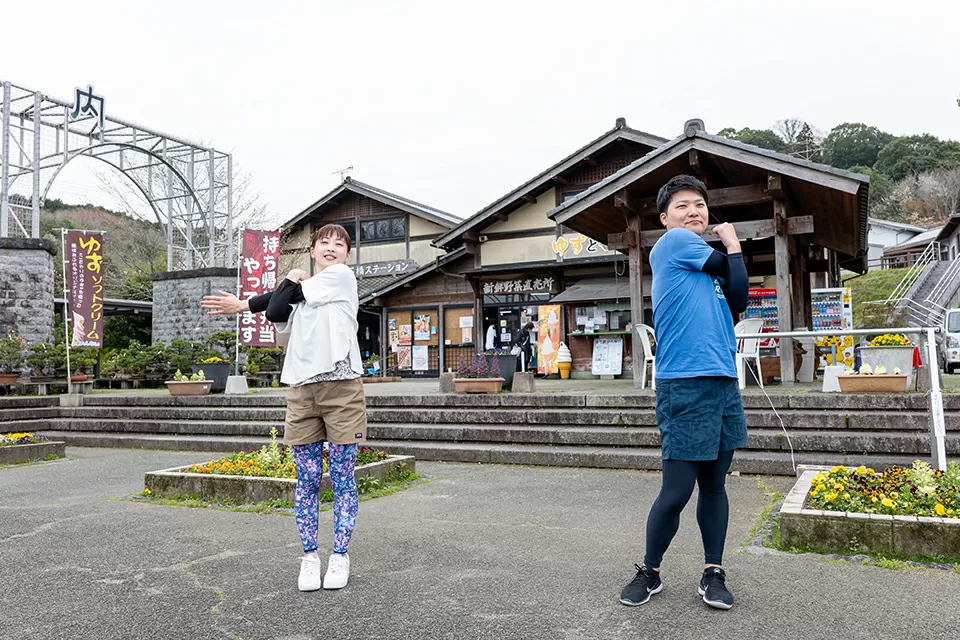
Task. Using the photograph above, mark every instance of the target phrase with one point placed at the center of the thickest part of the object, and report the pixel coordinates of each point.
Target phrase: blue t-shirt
(694, 328)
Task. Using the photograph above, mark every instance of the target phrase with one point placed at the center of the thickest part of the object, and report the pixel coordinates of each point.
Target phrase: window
(383, 230)
(569, 195)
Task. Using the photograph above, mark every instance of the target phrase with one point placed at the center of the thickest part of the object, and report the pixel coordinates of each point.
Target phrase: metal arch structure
(188, 186)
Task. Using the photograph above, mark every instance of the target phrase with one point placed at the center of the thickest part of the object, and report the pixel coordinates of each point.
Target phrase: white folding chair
(645, 336)
(748, 349)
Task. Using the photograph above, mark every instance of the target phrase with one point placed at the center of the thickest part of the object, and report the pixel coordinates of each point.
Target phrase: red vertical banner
(258, 275)
(84, 276)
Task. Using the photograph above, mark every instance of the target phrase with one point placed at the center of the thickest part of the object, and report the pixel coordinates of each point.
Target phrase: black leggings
(679, 476)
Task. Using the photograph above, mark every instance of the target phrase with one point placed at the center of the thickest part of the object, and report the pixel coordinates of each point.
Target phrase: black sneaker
(713, 588)
(644, 584)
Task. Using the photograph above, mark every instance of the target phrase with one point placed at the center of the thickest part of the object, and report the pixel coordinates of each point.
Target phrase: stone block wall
(26, 288)
(176, 303)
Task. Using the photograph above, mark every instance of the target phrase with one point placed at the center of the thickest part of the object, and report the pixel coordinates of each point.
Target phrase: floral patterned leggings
(306, 501)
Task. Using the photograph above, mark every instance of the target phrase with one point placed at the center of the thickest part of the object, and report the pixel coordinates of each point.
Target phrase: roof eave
(454, 237)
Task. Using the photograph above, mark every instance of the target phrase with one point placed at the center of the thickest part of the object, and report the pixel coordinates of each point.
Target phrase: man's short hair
(677, 184)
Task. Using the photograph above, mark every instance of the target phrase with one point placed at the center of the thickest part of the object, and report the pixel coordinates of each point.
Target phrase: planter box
(478, 385)
(508, 367)
(834, 530)
(26, 452)
(888, 383)
(215, 373)
(190, 388)
(891, 358)
(242, 490)
(9, 378)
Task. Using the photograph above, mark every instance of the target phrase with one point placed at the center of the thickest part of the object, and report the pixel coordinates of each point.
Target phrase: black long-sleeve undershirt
(277, 303)
(734, 273)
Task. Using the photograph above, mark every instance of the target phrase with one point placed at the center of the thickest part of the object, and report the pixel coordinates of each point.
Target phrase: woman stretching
(326, 403)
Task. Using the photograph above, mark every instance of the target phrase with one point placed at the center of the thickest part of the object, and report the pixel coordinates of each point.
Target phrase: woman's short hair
(334, 231)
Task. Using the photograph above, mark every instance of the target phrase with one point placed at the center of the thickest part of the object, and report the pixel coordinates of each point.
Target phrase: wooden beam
(620, 241)
(636, 296)
(502, 217)
(471, 236)
(528, 199)
(590, 161)
(775, 185)
(717, 198)
(784, 306)
(798, 225)
(768, 267)
(623, 199)
(560, 180)
(694, 158)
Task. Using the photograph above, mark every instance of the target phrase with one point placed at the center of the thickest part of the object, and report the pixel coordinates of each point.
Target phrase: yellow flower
(940, 509)
(838, 487)
(874, 499)
(836, 469)
(831, 497)
(887, 502)
(861, 469)
(846, 496)
(821, 487)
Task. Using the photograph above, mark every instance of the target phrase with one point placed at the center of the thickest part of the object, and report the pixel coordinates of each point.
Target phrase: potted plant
(194, 385)
(506, 365)
(47, 362)
(475, 378)
(13, 351)
(216, 362)
(873, 380)
(891, 351)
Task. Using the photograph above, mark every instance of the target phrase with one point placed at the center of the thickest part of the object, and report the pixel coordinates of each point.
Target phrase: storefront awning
(595, 291)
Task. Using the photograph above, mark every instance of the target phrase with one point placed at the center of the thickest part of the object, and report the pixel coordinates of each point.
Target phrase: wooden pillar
(800, 283)
(479, 335)
(784, 302)
(441, 332)
(636, 296)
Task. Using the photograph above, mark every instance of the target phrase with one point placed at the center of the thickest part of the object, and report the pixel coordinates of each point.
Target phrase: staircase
(604, 431)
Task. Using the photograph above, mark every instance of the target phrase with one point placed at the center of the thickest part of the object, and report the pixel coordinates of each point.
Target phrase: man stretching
(696, 289)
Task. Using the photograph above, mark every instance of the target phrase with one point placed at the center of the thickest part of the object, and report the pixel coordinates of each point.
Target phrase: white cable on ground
(776, 413)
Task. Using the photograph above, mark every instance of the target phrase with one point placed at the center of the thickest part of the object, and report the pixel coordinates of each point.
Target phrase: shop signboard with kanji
(258, 275)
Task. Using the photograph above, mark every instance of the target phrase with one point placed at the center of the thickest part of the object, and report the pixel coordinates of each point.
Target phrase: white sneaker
(338, 572)
(309, 579)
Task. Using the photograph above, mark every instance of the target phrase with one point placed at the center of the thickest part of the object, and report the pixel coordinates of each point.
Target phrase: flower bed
(26, 447)
(914, 512)
(262, 476)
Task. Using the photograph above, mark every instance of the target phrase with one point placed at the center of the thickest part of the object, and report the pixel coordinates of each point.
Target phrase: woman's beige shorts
(334, 411)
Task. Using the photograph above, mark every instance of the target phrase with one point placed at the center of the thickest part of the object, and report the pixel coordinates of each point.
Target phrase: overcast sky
(454, 104)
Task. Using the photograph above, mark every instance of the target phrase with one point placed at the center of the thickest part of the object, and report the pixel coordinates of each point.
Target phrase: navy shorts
(699, 417)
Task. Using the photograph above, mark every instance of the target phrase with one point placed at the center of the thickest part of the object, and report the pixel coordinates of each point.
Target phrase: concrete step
(169, 413)
(226, 444)
(780, 399)
(759, 462)
(26, 402)
(169, 427)
(745, 461)
(28, 413)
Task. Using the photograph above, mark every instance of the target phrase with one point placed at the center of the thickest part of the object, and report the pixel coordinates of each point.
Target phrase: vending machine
(831, 309)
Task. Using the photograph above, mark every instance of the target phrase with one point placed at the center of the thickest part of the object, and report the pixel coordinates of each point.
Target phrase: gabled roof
(880, 222)
(399, 281)
(920, 240)
(483, 217)
(406, 205)
(852, 186)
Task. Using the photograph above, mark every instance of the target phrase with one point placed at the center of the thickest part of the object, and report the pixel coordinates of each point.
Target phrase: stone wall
(176, 303)
(26, 288)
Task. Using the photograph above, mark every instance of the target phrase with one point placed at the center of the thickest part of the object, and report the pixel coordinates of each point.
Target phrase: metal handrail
(938, 430)
(945, 280)
(930, 254)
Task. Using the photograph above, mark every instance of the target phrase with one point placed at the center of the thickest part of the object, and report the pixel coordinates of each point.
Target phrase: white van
(949, 341)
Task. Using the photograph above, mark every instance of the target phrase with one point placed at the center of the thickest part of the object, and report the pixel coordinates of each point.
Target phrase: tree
(853, 144)
(763, 138)
(881, 187)
(913, 155)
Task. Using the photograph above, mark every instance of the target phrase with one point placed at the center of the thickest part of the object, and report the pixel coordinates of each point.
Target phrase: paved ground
(479, 552)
